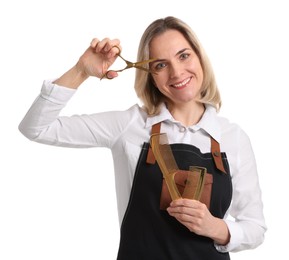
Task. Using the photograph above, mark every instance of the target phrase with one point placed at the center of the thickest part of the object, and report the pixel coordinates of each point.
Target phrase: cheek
(200, 71)
(156, 81)
(159, 80)
(197, 70)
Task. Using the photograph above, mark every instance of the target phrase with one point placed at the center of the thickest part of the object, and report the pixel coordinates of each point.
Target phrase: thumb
(111, 74)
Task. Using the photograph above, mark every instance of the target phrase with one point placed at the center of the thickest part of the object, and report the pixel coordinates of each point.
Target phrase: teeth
(182, 84)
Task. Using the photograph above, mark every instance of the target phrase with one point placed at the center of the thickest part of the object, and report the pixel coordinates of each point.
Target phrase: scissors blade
(139, 65)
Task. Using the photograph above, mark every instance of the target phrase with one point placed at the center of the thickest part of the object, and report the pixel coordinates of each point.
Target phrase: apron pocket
(180, 180)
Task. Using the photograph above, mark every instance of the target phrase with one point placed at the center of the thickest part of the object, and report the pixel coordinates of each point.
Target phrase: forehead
(170, 41)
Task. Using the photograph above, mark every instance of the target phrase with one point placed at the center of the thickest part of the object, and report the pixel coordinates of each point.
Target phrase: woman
(180, 98)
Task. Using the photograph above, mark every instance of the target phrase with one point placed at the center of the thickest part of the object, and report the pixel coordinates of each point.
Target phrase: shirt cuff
(55, 93)
(236, 234)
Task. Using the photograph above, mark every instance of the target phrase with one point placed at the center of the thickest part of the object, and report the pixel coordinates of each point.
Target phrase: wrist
(72, 78)
(220, 234)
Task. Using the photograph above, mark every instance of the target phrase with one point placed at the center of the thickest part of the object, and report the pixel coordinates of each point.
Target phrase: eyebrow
(178, 53)
(183, 50)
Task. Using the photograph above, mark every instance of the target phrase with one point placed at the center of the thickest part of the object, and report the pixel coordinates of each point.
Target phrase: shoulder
(233, 136)
(133, 113)
(120, 120)
(220, 127)
(229, 127)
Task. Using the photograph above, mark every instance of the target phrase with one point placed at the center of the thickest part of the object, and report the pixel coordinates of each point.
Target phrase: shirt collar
(162, 116)
(208, 123)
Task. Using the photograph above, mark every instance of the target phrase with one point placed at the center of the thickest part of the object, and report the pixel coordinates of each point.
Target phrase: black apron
(149, 233)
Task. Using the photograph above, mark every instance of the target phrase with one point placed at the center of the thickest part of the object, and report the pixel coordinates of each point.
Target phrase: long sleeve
(44, 110)
(247, 226)
(43, 124)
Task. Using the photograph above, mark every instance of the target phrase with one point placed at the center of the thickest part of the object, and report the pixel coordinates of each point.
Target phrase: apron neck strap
(156, 128)
(216, 153)
(215, 150)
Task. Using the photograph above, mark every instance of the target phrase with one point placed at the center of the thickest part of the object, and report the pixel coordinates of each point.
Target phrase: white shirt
(124, 133)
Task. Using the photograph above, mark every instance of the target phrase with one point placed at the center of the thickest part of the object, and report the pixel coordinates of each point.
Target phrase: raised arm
(95, 61)
(42, 122)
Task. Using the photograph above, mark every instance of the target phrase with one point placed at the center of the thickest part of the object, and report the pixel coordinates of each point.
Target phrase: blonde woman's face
(178, 72)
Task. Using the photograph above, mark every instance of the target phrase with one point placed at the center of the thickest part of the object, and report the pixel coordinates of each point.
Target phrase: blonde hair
(144, 85)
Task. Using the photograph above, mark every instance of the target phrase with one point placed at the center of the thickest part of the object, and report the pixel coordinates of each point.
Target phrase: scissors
(129, 65)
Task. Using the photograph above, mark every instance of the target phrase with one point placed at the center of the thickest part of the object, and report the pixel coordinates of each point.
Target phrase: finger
(174, 211)
(101, 45)
(180, 208)
(185, 218)
(114, 43)
(111, 74)
(111, 44)
(185, 203)
(106, 45)
(94, 42)
(113, 52)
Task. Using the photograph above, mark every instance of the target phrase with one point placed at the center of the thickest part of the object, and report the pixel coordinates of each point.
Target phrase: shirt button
(182, 129)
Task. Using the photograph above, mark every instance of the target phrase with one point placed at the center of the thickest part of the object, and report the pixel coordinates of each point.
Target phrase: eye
(184, 56)
(160, 66)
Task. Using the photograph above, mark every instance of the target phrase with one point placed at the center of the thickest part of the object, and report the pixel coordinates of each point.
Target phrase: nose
(175, 69)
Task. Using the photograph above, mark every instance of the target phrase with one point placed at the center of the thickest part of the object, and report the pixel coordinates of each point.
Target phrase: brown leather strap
(216, 153)
(150, 157)
(215, 150)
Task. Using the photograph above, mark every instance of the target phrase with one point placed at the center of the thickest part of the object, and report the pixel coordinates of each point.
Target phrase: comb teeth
(164, 156)
(166, 161)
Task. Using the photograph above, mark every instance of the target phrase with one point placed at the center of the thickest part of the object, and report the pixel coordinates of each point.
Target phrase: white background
(59, 203)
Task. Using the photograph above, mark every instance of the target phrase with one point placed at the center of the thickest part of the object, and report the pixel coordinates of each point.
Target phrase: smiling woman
(180, 48)
(181, 99)
(179, 76)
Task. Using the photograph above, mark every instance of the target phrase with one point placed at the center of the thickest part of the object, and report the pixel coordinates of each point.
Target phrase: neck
(187, 114)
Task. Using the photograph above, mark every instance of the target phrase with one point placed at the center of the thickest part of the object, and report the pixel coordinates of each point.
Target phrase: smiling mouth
(182, 84)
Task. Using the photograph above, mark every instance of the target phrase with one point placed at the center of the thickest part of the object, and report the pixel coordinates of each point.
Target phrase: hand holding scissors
(101, 55)
(129, 65)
